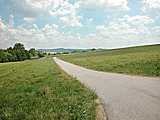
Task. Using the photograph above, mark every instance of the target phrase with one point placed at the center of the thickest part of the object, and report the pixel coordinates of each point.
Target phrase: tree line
(17, 53)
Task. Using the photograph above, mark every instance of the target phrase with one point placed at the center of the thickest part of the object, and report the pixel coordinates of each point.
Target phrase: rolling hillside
(141, 60)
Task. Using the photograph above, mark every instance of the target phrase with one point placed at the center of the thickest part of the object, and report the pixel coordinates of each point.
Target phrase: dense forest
(17, 53)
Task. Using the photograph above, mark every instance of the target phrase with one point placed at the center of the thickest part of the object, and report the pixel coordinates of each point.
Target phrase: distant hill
(65, 50)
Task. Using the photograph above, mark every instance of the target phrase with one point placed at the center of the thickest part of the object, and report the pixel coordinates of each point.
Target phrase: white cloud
(143, 9)
(72, 20)
(78, 36)
(26, 19)
(73, 23)
(101, 28)
(108, 16)
(138, 19)
(116, 28)
(25, 9)
(55, 26)
(156, 29)
(31, 9)
(45, 37)
(64, 19)
(150, 4)
(113, 26)
(39, 37)
(2, 25)
(121, 33)
(158, 16)
(43, 4)
(4, 39)
(20, 34)
(50, 31)
(103, 5)
(35, 26)
(65, 8)
(143, 30)
(11, 22)
(47, 27)
(89, 20)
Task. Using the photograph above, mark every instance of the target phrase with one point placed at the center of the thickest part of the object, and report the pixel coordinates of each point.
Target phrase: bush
(65, 53)
(9, 57)
(93, 49)
(21, 54)
(75, 51)
(32, 51)
(40, 55)
(28, 55)
(3, 57)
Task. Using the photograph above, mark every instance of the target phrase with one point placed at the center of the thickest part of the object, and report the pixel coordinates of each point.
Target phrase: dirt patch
(100, 113)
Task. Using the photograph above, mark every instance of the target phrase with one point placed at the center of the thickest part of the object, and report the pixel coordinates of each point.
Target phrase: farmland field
(142, 60)
(37, 89)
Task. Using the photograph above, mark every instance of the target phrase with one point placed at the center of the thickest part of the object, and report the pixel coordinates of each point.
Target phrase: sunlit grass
(144, 61)
(37, 89)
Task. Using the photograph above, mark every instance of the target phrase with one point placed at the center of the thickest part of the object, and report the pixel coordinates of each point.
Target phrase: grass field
(37, 89)
(143, 61)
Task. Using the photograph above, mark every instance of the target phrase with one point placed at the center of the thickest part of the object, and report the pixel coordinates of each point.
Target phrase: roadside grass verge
(37, 89)
(143, 60)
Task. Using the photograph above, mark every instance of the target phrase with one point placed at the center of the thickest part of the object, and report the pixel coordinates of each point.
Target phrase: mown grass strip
(143, 61)
(37, 89)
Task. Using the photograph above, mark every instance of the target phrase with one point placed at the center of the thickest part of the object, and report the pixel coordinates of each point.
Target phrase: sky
(79, 23)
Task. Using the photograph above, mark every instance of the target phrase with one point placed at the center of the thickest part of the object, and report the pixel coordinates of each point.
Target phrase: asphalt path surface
(123, 97)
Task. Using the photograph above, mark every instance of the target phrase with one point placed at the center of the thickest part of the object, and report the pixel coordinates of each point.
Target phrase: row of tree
(17, 53)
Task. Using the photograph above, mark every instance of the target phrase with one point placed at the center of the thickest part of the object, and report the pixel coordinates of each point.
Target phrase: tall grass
(144, 60)
(37, 89)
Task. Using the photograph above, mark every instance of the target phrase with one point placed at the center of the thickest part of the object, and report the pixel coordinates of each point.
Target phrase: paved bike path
(123, 97)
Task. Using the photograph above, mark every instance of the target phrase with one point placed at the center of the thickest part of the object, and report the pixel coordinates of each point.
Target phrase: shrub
(32, 51)
(65, 53)
(93, 49)
(40, 55)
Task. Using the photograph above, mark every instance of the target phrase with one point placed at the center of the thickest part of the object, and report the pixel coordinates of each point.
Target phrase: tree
(40, 54)
(2, 56)
(13, 52)
(75, 51)
(27, 54)
(65, 53)
(9, 57)
(17, 53)
(33, 51)
(18, 46)
(20, 51)
(84, 51)
(93, 49)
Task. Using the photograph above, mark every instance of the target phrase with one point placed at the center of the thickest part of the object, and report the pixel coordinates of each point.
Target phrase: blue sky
(79, 23)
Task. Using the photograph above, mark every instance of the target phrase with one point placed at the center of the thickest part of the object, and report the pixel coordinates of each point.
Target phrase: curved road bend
(123, 97)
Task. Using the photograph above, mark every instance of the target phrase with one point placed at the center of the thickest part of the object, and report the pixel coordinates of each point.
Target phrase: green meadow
(142, 60)
(38, 89)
